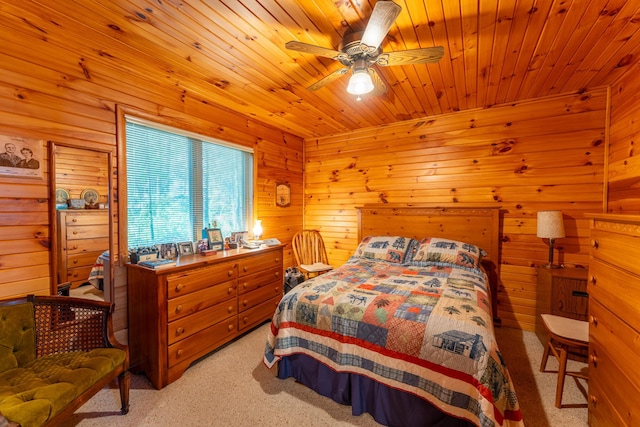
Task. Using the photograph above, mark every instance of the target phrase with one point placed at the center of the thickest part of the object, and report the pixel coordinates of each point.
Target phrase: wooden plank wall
(524, 157)
(624, 165)
(51, 94)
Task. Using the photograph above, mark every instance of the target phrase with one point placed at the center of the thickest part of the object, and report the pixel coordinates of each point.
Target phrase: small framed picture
(202, 245)
(185, 248)
(214, 235)
(240, 237)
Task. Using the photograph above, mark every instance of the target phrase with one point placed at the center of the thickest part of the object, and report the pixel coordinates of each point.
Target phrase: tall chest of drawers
(179, 314)
(83, 235)
(614, 320)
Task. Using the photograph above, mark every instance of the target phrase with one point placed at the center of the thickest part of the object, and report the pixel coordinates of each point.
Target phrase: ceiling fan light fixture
(360, 82)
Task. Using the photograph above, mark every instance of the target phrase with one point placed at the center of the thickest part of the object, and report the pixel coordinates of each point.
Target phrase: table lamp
(550, 226)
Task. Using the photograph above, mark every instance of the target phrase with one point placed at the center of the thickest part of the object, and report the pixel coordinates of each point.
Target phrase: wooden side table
(562, 292)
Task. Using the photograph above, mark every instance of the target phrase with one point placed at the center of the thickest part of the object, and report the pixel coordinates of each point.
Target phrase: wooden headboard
(472, 224)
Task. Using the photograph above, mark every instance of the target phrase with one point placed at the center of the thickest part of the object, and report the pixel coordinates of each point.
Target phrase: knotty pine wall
(530, 156)
(50, 96)
(624, 164)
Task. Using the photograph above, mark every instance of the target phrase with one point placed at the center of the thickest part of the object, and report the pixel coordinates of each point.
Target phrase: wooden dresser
(563, 292)
(614, 320)
(179, 314)
(83, 235)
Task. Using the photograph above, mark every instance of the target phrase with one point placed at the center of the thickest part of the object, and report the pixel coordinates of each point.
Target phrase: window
(179, 183)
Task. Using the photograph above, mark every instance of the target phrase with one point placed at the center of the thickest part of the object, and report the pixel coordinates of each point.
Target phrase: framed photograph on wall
(216, 242)
(21, 157)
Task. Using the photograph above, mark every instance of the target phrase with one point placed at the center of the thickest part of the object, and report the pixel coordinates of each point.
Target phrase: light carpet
(232, 387)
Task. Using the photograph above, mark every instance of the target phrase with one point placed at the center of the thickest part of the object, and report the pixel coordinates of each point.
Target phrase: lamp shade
(360, 82)
(550, 225)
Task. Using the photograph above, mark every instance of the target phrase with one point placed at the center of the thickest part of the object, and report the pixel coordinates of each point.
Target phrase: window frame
(125, 114)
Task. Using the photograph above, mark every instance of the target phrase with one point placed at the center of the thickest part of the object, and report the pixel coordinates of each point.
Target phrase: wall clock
(283, 194)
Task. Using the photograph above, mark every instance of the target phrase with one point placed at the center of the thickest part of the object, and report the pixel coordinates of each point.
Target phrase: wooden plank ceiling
(232, 52)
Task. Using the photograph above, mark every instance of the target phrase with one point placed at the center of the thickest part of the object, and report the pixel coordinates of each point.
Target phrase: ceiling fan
(361, 50)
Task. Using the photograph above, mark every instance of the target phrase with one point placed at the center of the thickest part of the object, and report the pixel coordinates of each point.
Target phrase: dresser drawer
(259, 262)
(87, 232)
(83, 259)
(602, 411)
(86, 218)
(622, 250)
(615, 347)
(258, 314)
(192, 280)
(260, 279)
(78, 275)
(193, 302)
(616, 289)
(187, 326)
(86, 245)
(259, 295)
(202, 342)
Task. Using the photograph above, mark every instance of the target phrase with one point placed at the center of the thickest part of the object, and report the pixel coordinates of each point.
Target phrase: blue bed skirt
(388, 406)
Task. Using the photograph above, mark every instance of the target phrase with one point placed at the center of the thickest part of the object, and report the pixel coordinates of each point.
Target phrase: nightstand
(563, 292)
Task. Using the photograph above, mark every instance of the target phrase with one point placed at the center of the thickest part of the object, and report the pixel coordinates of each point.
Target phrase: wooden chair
(310, 253)
(566, 336)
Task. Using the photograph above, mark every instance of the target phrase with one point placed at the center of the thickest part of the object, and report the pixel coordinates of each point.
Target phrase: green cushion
(36, 392)
(17, 336)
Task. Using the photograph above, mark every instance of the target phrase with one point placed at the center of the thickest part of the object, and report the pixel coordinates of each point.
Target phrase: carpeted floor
(232, 387)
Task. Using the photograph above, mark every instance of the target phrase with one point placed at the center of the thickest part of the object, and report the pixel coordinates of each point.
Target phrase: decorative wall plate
(62, 196)
(90, 196)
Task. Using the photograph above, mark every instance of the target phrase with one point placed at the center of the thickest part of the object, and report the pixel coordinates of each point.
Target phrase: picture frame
(216, 241)
(21, 157)
(202, 245)
(185, 248)
(240, 237)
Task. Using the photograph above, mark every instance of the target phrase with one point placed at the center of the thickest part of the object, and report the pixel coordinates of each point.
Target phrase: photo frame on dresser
(216, 241)
(185, 248)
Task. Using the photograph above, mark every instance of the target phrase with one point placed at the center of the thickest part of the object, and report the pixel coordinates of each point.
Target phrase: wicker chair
(310, 253)
(60, 351)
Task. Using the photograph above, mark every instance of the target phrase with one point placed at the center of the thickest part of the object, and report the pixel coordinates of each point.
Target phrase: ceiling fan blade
(328, 79)
(382, 18)
(312, 49)
(411, 56)
(379, 88)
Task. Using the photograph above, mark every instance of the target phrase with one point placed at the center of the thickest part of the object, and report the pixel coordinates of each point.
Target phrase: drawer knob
(179, 308)
(230, 291)
(75, 247)
(277, 260)
(179, 287)
(245, 268)
(179, 353)
(277, 289)
(594, 360)
(75, 232)
(75, 261)
(594, 320)
(179, 331)
(245, 302)
(230, 309)
(245, 320)
(74, 220)
(244, 285)
(593, 399)
(230, 273)
(230, 327)
(595, 244)
(277, 274)
(593, 280)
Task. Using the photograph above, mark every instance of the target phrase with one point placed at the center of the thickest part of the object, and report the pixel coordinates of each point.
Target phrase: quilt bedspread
(425, 330)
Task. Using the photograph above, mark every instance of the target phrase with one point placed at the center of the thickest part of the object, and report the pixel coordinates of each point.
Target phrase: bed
(404, 329)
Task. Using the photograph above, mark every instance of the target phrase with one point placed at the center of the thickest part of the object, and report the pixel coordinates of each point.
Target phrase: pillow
(385, 248)
(434, 249)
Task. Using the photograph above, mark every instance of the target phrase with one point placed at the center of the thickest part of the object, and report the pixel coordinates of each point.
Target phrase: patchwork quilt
(423, 329)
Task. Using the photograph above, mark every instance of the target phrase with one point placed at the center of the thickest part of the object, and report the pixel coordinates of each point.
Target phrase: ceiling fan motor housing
(352, 48)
